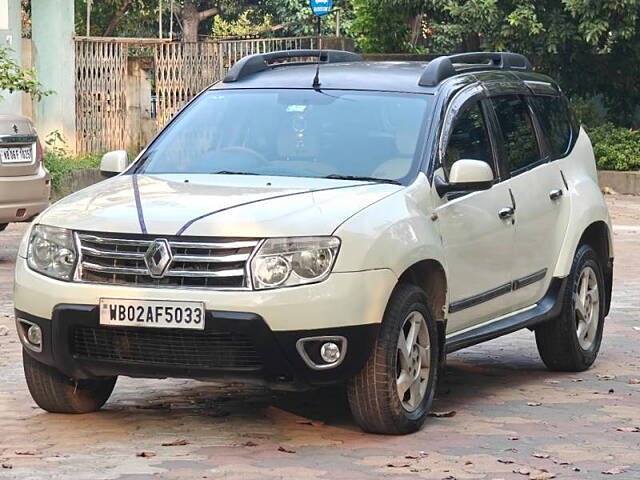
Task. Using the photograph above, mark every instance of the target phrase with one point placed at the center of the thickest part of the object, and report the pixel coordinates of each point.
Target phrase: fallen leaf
(7, 465)
(313, 423)
(447, 414)
(468, 462)
(616, 470)
(249, 444)
(540, 455)
(541, 475)
(628, 429)
(577, 380)
(514, 438)
(145, 454)
(551, 382)
(637, 329)
(398, 465)
(534, 404)
(506, 461)
(523, 471)
(606, 377)
(175, 443)
(634, 381)
(411, 457)
(27, 452)
(282, 449)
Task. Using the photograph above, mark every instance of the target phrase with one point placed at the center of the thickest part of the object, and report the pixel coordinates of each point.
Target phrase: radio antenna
(316, 80)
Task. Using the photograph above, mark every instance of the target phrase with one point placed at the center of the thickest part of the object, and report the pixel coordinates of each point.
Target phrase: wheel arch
(430, 276)
(598, 236)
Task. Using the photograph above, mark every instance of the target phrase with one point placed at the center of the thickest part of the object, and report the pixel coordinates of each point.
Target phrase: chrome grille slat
(196, 263)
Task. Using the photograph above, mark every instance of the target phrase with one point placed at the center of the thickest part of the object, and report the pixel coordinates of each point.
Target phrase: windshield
(300, 133)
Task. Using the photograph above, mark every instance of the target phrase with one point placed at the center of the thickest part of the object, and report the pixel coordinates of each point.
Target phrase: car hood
(215, 205)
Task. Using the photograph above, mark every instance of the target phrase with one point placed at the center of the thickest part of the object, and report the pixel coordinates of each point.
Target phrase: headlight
(285, 262)
(52, 252)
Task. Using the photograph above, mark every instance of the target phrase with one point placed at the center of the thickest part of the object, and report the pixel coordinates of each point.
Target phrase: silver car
(25, 185)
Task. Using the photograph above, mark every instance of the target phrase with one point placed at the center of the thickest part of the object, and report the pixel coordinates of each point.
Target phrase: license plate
(152, 313)
(16, 155)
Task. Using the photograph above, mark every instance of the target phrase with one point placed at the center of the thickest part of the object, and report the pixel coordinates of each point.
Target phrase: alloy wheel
(413, 361)
(587, 307)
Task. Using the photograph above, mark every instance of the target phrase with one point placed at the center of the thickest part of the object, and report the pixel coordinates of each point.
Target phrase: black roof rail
(444, 67)
(260, 61)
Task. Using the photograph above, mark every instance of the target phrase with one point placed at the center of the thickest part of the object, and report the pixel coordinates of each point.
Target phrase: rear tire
(56, 393)
(404, 359)
(571, 342)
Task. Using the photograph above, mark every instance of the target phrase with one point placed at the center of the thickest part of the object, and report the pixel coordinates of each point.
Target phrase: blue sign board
(321, 7)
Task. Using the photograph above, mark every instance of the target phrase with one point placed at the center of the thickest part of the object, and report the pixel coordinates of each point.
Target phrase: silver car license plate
(16, 155)
(152, 313)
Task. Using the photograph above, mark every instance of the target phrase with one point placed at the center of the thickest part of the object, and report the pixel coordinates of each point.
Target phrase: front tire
(394, 391)
(571, 342)
(57, 393)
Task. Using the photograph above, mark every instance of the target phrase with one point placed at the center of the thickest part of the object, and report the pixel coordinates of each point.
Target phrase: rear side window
(519, 138)
(555, 121)
(469, 139)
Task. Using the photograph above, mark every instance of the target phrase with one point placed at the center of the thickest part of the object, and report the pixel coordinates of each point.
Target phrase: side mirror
(466, 176)
(113, 163)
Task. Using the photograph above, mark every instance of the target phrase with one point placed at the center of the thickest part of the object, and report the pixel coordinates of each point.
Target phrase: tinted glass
(555, 122)
(469, 139)
(299, 133)
(520, 144)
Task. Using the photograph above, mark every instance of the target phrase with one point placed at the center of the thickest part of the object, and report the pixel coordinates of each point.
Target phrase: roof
(380, 76)
(366, 75)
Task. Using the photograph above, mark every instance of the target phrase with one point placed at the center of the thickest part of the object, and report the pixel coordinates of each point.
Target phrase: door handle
(505, 213)
(555, 194)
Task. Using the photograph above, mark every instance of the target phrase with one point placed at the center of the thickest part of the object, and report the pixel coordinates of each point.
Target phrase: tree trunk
(115, 20)
(191, 19)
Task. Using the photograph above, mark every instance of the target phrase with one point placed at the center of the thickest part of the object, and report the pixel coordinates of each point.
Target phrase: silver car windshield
(299, 133)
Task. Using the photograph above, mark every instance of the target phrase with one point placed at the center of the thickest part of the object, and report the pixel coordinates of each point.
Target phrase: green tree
(14, 78)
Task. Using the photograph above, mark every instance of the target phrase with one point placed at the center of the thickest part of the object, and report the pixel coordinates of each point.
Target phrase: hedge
(615, 148)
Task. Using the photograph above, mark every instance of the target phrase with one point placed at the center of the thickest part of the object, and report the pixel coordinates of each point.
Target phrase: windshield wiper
(229, 172)
(335, 176)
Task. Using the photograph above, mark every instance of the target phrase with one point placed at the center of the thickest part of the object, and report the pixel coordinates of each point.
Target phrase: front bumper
(274, 360)
(30, 193)
(349, 305)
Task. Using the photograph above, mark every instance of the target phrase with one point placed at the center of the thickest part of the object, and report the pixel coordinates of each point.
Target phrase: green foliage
(378, 29)
(616, 148)
(244, 25)
(60, 162)
(15, 78)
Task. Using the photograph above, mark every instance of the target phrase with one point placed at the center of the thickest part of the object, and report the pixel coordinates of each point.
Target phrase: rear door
(538, 190)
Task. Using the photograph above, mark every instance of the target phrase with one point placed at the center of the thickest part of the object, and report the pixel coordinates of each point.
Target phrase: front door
(478, 243)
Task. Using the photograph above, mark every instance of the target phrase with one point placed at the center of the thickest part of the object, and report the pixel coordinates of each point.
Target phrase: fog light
(330, 352)
(34, 335)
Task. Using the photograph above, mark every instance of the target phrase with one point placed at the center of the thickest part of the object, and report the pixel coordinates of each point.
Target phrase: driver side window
(469, 138)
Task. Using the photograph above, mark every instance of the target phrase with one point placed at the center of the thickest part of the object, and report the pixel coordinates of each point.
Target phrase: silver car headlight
(286, 262)
(52, 252)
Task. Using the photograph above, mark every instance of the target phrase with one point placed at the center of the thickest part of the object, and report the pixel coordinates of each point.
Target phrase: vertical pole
(319, 27)
(337, 23)
(89, 17)
(159, 18)
(171, 22)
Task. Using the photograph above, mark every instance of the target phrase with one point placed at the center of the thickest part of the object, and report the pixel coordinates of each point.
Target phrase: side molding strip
(496, 292)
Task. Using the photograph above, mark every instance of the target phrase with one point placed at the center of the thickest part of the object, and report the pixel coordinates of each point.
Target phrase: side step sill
(547, 308)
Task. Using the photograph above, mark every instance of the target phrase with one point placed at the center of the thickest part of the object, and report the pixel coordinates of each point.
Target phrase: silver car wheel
(413, 361)
(587, 307)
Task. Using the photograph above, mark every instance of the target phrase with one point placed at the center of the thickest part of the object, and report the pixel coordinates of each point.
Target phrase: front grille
(202, 350)
(196, 262)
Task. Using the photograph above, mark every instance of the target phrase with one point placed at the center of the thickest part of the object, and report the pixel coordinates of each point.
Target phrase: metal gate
(101, 70)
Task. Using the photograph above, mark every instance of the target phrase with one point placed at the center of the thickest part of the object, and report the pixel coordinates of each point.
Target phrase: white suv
(320, 221)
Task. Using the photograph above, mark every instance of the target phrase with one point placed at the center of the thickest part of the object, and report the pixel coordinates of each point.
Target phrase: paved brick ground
(235, 432)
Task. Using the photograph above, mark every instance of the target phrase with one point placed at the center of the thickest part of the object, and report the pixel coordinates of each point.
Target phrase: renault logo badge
(158, 258)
